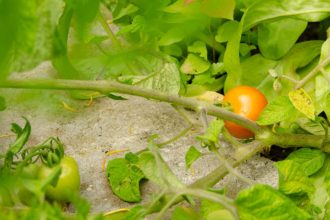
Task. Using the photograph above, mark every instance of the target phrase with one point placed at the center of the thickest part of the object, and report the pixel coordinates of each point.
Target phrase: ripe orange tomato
(247, 102)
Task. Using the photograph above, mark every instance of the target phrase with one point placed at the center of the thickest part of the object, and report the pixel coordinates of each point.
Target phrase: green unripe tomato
(68, 183)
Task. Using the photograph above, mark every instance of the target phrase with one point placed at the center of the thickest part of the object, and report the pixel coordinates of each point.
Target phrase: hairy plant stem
(106, 87)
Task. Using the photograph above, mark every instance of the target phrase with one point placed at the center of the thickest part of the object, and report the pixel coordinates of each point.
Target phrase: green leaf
(208, 207)
(275, 38)
(165, 78)
(232, 60)
(27, 33)
(261, 202)
(258, 77)
(302, 102)
(211, 135)
(220, 214)
(322, 90)
(21, 138)
(280, 109)
(115, 97)
(184, 213)
(172, 36)
(194, 64)
(327, 104)
(310, 160)
(226, 31)
(218, 9)
(158, 173)
(191, 156)
(293, 180)
(313, 127)
(124, 178)
(2, 103)
(309, 10)
(198, 47)
(129, 9)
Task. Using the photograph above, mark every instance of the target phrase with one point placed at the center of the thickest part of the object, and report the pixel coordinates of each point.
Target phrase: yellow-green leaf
(303, 102)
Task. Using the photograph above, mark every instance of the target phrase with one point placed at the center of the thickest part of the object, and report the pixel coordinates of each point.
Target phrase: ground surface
(106, 125)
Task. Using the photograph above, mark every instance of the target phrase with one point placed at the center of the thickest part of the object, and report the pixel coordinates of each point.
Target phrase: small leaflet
(303, 102)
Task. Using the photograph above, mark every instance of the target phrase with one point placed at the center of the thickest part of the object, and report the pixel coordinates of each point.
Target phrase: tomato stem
(106, 87)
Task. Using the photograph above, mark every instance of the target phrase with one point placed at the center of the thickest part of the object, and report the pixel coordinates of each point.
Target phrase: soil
(90, 130)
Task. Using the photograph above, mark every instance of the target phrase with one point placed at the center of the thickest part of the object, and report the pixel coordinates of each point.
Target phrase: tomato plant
(183, 52)
(247, 102)
(68, 182)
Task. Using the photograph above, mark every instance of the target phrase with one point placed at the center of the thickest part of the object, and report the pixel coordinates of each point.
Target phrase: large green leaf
(275, 38)
(157, 171)
(293, 180)
(124, 177)
(310, 160)
(232, 60)
(309, 10)
(280, 109)
(26, 37)
(263, 202)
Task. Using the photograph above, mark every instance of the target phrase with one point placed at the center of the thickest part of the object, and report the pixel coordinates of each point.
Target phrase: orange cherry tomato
(247, 102)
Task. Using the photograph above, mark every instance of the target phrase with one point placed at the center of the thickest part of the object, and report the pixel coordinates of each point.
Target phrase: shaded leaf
(275, 38)
(194, 64)
(198, 47)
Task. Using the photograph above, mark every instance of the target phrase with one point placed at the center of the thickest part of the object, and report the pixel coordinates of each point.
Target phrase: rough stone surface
(105, 125)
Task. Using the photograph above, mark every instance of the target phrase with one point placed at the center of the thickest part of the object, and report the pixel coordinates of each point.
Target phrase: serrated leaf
(194, 64)
(261, 202)
(280, 109)
(310, 160)
(198, 47)
(124, 179)
(158, 173)
(292, 179)
(166, 78)
(303, 102)
(212, 133)
(191, 156)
